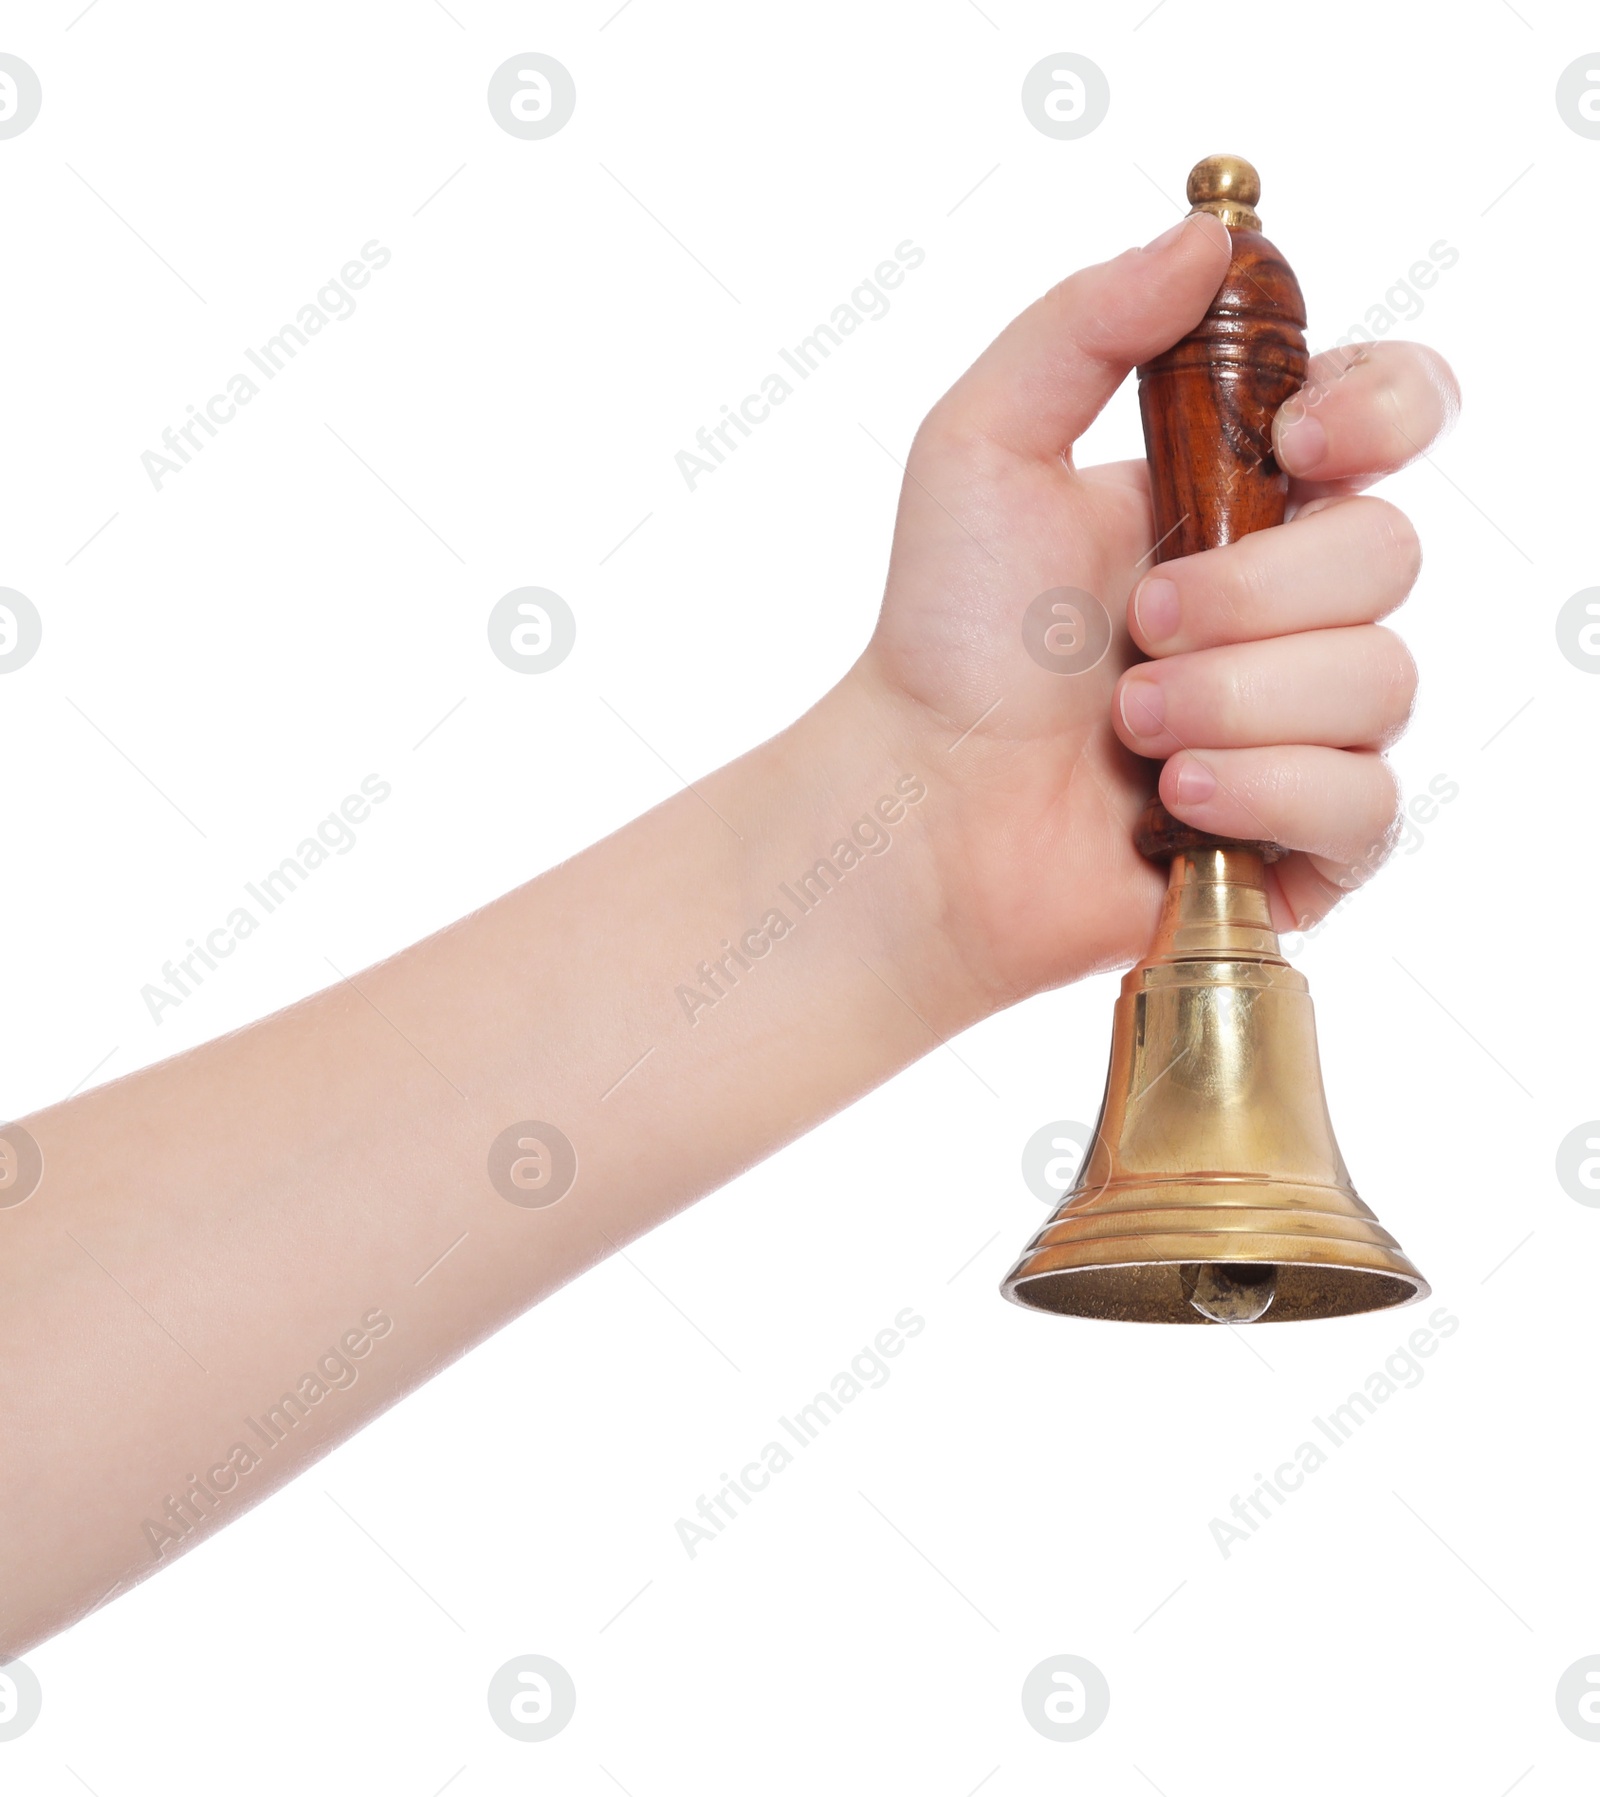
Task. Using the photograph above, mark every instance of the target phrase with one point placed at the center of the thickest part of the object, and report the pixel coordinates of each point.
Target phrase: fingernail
(1195, 783)
(1143, 707)
(1155, 608)
(1302, 443)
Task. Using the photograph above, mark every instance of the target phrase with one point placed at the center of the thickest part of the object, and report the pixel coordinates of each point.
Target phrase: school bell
(1213, 1190)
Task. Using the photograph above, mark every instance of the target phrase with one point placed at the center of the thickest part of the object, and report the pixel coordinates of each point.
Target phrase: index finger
(1364, 412)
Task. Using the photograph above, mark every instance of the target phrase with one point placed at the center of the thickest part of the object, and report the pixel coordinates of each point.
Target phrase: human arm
(207, 1230)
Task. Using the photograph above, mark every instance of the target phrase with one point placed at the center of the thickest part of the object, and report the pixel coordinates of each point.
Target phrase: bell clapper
(1230, 1291)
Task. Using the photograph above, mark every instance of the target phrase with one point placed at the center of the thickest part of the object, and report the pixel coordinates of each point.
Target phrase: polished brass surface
(1214, 1190)
(1229, 187)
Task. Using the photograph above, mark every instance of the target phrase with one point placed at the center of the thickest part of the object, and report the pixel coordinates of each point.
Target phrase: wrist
(861, 768)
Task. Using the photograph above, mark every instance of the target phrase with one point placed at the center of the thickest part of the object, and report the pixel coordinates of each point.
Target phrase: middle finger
(1340, 689)
(1348, 561)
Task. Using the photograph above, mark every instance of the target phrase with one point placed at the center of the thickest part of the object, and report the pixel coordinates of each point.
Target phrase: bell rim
(1391, 1266)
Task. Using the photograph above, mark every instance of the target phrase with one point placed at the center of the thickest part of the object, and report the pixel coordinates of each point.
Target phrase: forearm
(677, 1001)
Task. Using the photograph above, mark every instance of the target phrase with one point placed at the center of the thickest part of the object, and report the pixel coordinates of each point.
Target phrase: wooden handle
(1208, 405)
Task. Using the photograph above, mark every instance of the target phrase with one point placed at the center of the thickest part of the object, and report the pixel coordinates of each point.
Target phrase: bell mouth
(1158, 1292)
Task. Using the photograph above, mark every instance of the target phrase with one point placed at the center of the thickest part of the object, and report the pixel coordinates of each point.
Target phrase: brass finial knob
(1229, 187)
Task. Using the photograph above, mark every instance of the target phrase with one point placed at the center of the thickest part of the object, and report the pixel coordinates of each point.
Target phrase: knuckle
(1441, 381)
(1398, 545)
(1418, 397)
(1394, 676)
(1390, 797)
(1386, 821)
(1069, 293)
(1369, 821)
(1396, 417)
(944, 429)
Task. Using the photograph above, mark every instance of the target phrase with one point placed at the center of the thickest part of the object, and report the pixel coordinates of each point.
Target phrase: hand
(1272, 691)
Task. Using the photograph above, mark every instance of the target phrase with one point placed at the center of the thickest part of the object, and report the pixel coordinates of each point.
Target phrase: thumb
(1044, 379)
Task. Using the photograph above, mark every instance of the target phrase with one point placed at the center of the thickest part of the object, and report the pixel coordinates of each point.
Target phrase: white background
(275, 624)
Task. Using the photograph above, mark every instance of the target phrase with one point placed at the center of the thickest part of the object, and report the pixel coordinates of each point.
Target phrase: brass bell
(1214, 1190)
